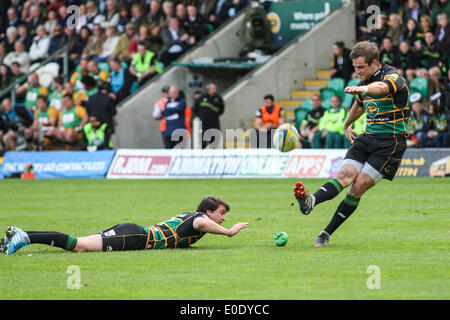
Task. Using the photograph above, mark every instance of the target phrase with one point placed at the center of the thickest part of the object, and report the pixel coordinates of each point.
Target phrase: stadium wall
(287, 70)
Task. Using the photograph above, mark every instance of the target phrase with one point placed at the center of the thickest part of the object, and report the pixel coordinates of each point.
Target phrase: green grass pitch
(401, 227)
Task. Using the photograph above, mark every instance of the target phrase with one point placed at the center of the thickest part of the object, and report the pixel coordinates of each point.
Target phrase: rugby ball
(285, 137)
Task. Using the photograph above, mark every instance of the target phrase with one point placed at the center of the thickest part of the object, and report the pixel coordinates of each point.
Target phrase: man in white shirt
(19, 55)
(40, 45)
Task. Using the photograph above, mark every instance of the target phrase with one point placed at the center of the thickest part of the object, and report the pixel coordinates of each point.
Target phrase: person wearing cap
(120, 81)
(420, 123)
(40, 45)
(122, 50)
(144, 65)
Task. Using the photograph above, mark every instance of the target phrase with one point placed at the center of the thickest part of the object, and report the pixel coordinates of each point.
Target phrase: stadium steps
(311, 87)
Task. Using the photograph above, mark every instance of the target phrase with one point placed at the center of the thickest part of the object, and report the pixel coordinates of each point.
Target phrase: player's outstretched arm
(374, 88)
(209, 226)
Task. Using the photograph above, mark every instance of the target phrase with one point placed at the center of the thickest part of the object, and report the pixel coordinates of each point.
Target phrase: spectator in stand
(124, 19)
(52, 21)
(144, 65)
(176, 41)
(425, 26)
(79, 73)
(18, 55)
(13, 20)
(410, 32)
(419, 124)
(8, 126)
(31, 90)
(396, 29)
(122, 50)
(34, 19)
(180, 12)
(39, 46)
(142, 36)
(388, 52)
(195, 24)
(155, 40)
(120, 81)
(435, 59)
(441, 121)
(207, 9)
(24, 36)
(112, 15)
(155, 14)
(442, 34)
(11, 37)
(342, 67)
(95, 42)
(269, 117)
(45, 121)
(440, 6)
(109, 45)
(209, 107)
(71, 121)
(98, 74)
(16, 71)
(56, 95)
(93, 16)
(96, 134)
(2, 52)
(82, 20)
(5, 76)
(168, 12)
(54, 5)
(405, 61)
(55, 40)
(99, 102)
(79, 45)
(228, 10)
(310, 124)
(414, 11)
(137, 15)
(174, 113)
(330, 132)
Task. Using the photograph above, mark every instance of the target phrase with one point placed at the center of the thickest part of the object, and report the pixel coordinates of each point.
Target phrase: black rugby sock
(50, 238)
(328, 191)
(345, 210)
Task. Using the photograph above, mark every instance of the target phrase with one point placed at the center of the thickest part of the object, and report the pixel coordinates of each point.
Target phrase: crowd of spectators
(114, 47)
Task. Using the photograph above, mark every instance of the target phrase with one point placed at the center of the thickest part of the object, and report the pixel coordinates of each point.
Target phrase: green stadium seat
(420, 85)
(326, 93)
(103, 66)
(348, 100)
(353, 82)
(300, 115)
(326, 104)
(337, 84)
(307, 105)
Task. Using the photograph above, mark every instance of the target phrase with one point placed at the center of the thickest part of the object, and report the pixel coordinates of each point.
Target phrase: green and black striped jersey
(177, 232)
(387, 113)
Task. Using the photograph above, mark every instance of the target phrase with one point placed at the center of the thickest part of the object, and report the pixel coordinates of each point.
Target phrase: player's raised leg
(362, 183)
(328, 191)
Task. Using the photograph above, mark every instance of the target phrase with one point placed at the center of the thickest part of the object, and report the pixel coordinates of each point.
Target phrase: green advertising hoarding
(293, 18)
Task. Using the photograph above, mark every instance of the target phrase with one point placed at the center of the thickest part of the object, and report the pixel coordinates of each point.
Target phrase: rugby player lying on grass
(178, 232)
